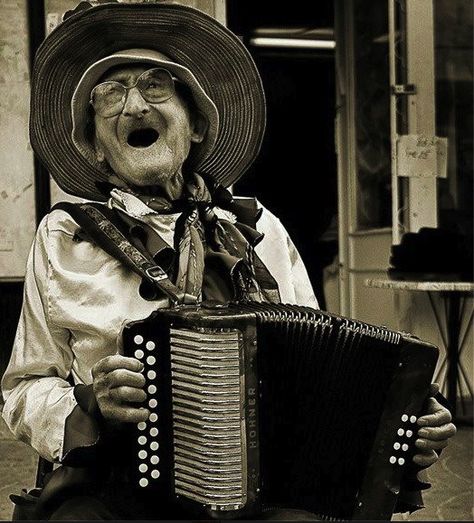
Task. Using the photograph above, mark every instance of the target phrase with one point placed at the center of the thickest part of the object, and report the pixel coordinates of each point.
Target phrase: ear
(99, 153)
(199, 127)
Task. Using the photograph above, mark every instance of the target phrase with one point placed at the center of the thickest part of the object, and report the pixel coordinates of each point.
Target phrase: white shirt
(77, 299)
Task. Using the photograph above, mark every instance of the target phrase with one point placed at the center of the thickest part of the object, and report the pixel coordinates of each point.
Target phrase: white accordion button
(396, 445)
(142, 440)
(153, 417)
(409, 433)
(143, 482)
(139, 354)
(154, 460)
(153, 432)
(150, 345)
(401, 461)
(155, 474)
(393, 460)
(412, 419)
(138, 340)
(151, 360)
(151, 374)
(152, 403)
(143, 454)
(152, 389)
(142, 425)
(154, 445)
(143, 468)
(400, 432)
(405, 418)
(404, 447)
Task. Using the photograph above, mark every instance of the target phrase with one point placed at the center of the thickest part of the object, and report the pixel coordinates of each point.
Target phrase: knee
(81, 508)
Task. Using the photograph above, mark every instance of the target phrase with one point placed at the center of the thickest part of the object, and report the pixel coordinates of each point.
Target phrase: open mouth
(143, 137)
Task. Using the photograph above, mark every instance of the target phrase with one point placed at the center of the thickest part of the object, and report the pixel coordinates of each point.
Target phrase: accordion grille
(208, 422)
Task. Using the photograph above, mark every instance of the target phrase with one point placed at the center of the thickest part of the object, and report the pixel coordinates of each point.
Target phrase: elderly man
(151, 108)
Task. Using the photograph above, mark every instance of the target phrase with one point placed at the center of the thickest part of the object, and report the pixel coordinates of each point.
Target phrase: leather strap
(98, 223)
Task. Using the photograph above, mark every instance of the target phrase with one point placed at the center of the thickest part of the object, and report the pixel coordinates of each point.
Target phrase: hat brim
(219, 61)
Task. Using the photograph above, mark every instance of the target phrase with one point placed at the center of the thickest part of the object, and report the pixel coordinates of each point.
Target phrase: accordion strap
(99, 223)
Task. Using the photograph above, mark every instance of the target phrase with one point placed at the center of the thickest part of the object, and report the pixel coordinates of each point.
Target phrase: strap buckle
(156, 273)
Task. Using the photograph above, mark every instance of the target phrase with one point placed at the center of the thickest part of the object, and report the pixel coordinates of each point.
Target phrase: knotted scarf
(213, 258)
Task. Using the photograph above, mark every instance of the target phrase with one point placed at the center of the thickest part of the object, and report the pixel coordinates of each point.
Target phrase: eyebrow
(119, 77)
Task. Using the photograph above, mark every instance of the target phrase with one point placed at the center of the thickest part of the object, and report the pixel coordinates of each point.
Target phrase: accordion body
(256, 406)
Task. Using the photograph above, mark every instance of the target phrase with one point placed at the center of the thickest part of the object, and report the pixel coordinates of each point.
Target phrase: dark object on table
(431, 255)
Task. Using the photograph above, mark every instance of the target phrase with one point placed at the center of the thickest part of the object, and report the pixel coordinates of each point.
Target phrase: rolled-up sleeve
(38, 397)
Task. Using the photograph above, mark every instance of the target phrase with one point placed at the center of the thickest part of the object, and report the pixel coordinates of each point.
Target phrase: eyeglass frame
(127, 89)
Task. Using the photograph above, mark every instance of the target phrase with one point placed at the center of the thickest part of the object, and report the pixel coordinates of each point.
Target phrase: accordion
(257, 406)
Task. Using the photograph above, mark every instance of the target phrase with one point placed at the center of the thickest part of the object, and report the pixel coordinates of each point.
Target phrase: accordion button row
(393, 460)
(403, 432)
(398, 446)
(147, 454)
(138, 340)
(405, 418)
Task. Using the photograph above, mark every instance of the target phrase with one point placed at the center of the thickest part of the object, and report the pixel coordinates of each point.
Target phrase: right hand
(118, 386)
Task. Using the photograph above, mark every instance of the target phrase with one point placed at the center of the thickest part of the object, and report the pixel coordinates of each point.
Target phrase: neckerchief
(214, 258)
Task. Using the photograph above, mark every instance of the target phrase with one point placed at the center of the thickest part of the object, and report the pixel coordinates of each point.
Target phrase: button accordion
(257, 406)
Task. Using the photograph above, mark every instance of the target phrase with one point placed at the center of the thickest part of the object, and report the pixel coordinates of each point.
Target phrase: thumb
(434, 389)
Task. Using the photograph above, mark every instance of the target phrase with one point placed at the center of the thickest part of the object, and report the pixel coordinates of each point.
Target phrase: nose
(135, 105)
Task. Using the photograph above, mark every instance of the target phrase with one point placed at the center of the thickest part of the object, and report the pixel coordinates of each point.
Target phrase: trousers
(81, 508)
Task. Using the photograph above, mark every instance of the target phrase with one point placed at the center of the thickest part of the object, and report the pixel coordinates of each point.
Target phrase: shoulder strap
(100, 223)
(246, 210)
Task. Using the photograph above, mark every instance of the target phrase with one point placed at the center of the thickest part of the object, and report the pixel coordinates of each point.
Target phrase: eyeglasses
(155, 86)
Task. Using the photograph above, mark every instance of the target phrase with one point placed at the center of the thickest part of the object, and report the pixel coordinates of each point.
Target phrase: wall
(17, 211)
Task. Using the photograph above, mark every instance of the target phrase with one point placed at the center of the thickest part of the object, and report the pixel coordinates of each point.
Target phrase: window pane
(454, 110)
(372, 115)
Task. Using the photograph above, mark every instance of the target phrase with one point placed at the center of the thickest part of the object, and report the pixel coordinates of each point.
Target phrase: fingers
(118, 383)
(426, 459)
(435, 416)
(125, 377)
(127, 394)
(429, 444)
(114, 362)
(433, 433)
(125, 414)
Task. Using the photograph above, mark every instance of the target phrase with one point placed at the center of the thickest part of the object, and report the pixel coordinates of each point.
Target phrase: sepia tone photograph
(236, 260)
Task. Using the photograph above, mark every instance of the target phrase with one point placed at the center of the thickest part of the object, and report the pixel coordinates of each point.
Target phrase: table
(454, 296)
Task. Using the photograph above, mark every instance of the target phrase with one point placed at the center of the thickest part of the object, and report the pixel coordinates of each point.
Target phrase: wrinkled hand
(434, 432)
(119, 387)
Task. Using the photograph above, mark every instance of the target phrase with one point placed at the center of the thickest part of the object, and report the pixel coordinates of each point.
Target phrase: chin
(157, 165)
(158, 176)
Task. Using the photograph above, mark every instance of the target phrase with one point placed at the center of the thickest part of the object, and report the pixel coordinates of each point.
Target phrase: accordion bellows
(255, 406)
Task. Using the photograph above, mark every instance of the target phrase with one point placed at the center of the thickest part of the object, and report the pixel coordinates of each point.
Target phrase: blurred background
(367, 161)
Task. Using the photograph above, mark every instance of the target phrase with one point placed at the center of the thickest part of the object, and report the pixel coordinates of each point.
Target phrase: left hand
(434, 432)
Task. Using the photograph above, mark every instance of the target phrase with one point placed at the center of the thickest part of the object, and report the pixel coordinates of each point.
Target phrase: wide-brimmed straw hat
(211, 59)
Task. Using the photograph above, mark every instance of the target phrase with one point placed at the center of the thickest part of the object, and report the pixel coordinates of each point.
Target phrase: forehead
(126, 74)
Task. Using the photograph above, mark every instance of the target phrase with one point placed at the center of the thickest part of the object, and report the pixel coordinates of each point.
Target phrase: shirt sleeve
(304, 294)
(281, 257)
(38, 397)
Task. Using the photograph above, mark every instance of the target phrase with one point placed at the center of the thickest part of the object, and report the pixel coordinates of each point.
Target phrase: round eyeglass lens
(156, 85)
(107, 98)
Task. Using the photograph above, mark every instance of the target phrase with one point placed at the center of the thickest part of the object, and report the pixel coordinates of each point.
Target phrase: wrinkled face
(145, 143)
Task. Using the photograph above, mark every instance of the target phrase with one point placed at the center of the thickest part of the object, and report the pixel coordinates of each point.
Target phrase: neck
(173, 187)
